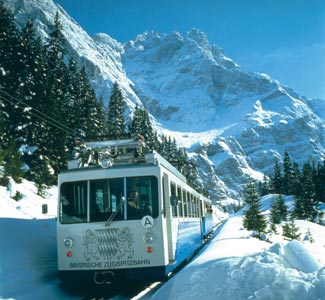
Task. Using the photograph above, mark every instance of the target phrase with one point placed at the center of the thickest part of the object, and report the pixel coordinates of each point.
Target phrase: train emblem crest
(108, 244)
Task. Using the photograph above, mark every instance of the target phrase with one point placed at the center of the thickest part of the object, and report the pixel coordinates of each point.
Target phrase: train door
(167, 220)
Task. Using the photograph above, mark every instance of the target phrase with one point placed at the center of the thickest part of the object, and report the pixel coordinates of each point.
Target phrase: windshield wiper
(114, 214)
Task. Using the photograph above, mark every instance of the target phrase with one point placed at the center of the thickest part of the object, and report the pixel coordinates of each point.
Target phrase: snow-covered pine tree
(87, 106)
(11, 163)
(33, 82)
(278, 212)
(115, 116)
(281, 208)
(10, 68)
(253, 218)
(287, 174)
(295, 180)
(320, 183)
(10, 55)
(264, 186)
(101, 117)
(276, 179)
(306, 202)
(290, 230)
(58, 105)
(141, 125)
(72, 94)
(34, 102)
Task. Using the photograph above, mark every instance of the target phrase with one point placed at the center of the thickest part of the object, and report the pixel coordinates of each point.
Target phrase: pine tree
(290, 230)
(306, 202)
(33, 81)
(101, 117)
(149, 133)
(115, 120)
(33, 94)
(10, 69)
(274, 213)
(192, 175)
(171, 150)
(279, 211)
(10, 55)
(12, 163)
(287, 174)
(163, 151)
(264, 186)
(72, 95)
(58, 103)
(250, 193)
(320, 182)
(141, 126)
(295, 180)
(87, 106)
(276, 180)
(253, 218)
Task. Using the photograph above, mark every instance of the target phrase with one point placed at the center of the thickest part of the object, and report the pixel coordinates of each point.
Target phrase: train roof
(114, 153)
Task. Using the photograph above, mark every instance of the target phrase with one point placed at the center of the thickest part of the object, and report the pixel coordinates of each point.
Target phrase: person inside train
(136, 208)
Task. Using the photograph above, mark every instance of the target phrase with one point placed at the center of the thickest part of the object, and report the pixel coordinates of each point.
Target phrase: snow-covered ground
(233, 266)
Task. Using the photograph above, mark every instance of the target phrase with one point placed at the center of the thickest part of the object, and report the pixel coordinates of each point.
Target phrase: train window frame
(179, 201)
(173, 199)
(184, 203)
(74, 207)
(111, 194)
(146, 200)
(189, 205)
(89, 197)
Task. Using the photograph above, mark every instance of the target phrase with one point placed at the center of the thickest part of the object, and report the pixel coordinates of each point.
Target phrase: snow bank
(233, 266)
(297, 256)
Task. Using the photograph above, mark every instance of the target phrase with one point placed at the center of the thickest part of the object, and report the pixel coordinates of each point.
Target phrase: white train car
(125, 214)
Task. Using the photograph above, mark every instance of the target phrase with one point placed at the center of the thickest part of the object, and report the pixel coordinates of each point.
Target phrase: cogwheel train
(126, 213)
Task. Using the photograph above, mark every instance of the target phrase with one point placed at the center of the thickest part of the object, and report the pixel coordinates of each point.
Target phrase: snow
(233, 266)
(237, 266)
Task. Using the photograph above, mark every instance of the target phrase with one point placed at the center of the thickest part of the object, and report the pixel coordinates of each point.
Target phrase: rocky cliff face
(233, 122)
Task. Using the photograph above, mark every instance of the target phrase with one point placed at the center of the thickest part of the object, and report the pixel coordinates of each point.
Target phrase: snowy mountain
(233, 122)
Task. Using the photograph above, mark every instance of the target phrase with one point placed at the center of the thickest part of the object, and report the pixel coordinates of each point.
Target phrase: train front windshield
(115, 199)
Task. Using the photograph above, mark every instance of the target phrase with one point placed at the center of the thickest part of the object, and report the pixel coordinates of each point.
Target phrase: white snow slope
(233, 266)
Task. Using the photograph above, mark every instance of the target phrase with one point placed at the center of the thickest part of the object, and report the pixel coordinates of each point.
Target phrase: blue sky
(283, 38)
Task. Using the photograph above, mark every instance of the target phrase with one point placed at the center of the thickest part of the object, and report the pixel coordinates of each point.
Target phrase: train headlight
(106, 163)
(148, 238)
(68, 242)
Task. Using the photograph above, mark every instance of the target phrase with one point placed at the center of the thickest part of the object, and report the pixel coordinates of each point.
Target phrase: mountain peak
(198, 36)
(239, 122)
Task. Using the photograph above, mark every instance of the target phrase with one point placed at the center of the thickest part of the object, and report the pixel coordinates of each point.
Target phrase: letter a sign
(147, 222)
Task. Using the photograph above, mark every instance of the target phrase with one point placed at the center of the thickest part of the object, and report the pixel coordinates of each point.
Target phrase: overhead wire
(42, 116)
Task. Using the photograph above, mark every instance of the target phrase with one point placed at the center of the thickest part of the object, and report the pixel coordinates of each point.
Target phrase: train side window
(142, 197)
(98, 200)
(173, 199)
(184, 204)
(197, 207)
(179, 201)
(105, 199)
(116, 196)
(193, 206)
(188, 204)
(73, 202)
(200, 207)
